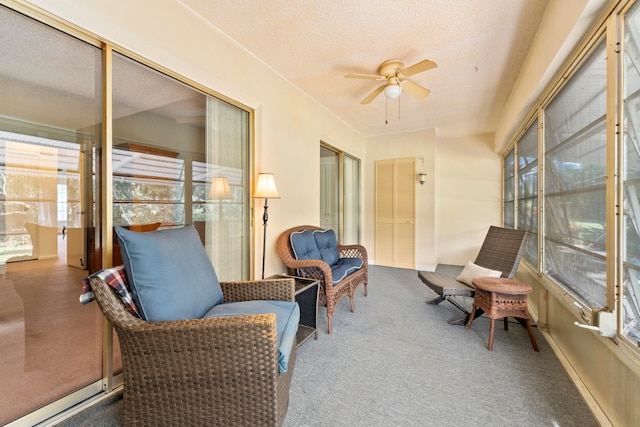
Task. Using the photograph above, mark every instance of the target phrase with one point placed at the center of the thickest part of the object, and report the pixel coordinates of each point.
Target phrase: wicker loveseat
(217, 371)
(332, 288)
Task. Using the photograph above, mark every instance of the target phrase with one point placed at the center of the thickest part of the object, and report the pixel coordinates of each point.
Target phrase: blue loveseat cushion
(323, 245)
(343, 268)
(287, 319)
(327, 244)
(170, 274)
(304, 245)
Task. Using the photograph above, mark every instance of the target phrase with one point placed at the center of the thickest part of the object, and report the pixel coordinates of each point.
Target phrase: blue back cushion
(170, 274)
(304, 245)
(327, 245)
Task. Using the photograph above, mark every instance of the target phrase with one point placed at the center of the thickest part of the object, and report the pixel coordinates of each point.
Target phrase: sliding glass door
(50, 127)
(179, 156)
(340, 194)
(330, 189)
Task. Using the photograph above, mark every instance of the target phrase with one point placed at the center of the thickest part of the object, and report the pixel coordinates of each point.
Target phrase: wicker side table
(501, 298)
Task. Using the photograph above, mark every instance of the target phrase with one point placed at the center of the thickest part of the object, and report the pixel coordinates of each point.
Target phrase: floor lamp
(265, 189)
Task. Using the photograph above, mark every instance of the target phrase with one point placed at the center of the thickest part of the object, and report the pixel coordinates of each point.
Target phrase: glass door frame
(344, 191)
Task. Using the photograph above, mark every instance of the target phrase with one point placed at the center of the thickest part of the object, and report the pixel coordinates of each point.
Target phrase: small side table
(502, 298)
(307, 298)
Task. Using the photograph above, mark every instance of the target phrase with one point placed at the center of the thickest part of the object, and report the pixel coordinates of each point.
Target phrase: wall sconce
(422, 178)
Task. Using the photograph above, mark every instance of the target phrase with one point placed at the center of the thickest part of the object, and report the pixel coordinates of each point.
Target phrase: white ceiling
(479, 46)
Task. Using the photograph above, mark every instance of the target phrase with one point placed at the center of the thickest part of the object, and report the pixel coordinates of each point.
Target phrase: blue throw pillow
(327, 245)
(304, 245)
(170, 273)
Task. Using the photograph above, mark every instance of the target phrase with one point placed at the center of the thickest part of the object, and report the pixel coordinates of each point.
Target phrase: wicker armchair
(320, 270)
(215, 372)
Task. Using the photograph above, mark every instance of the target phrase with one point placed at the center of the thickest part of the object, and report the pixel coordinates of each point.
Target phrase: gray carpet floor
(397, 362)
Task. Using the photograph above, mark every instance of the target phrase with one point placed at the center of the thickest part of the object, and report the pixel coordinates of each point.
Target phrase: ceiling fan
(394, 72)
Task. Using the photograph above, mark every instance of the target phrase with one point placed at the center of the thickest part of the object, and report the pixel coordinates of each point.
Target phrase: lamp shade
(266, 187)
(392, 91)
(220, 188)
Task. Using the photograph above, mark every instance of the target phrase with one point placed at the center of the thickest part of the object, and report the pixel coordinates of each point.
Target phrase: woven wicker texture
(501, 250)
(205, 372)
(320, 270)
(501, 298)
(501, 285)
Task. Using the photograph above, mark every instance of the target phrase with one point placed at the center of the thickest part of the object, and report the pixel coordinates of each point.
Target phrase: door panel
(395, 213)
(50, 344)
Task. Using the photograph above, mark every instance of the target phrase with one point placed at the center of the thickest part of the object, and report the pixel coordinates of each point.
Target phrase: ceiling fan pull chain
(386, 110)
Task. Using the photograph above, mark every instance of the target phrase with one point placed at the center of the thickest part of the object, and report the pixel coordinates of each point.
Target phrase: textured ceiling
(479, 46)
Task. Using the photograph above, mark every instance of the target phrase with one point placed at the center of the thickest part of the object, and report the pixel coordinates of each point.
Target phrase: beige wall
(457, 204)
(422, 146)
(469, 196)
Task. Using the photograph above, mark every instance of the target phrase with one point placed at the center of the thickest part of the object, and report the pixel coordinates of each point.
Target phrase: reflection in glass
(50, 125)
(171, 142)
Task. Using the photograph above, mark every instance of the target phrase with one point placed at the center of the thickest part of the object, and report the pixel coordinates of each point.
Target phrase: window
(580, 253)
(575, 178)
(528, 190)
(631, 175)
(509, 184)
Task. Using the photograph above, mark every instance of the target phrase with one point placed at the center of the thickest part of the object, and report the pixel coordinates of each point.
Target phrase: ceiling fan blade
(364, 76)
(373, 94)
(414, 89)
(418, 68)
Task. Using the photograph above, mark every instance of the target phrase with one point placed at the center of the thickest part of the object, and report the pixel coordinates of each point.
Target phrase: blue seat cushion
(170, 274)
(343, 268)
(304, 245)
(327, 244)
(287, 319)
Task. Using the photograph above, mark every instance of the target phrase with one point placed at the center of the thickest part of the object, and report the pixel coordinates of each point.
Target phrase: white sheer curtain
(227, 134)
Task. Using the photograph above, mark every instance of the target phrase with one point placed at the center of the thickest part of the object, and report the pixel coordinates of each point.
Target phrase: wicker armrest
(201, 338)
(353, 251)
(281, 289)
(313, 268)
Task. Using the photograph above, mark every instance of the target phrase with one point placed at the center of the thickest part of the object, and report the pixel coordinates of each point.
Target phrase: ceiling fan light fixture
(392, 91)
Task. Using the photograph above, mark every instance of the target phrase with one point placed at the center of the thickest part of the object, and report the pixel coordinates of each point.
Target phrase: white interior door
(395, 213)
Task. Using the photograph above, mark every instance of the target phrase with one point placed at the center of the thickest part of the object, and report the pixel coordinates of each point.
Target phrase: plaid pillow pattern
(115, 277)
